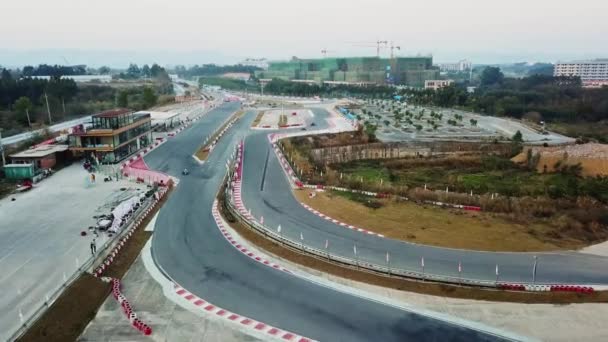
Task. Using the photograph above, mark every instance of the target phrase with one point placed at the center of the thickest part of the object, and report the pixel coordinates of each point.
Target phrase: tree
(491, 76)
(156, 70)
(145, 71)
(23, 106)
(123, 99)
(518, 137)
(473, 122)
(149, 97)
(104, 70)
(133, 71)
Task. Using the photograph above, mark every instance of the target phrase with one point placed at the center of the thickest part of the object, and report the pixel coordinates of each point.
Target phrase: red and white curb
(142, 153)
(126, 307)
(341, 224)
(244, 250)
(242, 320)
(289, 171)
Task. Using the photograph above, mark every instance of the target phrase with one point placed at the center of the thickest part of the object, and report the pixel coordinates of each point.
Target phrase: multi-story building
(592, 73)
(112, 136)
(461, 66)
(407, 71)
(436, 84)
(261, 63)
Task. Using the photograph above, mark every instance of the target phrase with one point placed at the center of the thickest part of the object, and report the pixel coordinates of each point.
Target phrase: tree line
(25, 101)
(213, 70)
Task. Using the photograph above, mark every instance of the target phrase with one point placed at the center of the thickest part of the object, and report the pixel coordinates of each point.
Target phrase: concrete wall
(341, 154)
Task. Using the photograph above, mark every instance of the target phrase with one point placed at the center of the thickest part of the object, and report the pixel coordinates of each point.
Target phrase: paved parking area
(40, 242)
(408, 122)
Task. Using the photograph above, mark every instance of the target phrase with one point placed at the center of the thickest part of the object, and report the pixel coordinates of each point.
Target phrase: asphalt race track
(190, 249)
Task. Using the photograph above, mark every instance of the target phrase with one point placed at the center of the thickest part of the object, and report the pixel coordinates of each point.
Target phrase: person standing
(93, 247)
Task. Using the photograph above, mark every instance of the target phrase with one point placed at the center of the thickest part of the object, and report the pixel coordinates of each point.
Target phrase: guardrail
(356, 264)
(87, 265)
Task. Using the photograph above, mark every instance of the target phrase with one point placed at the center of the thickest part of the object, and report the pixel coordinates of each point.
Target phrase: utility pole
(48, 109)
(2, 149)
(27, 113)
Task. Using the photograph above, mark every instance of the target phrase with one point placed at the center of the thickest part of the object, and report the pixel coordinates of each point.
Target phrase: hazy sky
(198, 31)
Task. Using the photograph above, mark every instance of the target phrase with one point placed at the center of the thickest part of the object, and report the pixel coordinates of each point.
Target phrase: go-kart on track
(190, 249)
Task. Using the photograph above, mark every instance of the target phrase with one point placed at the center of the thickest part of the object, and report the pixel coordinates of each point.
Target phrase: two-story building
(112, 136)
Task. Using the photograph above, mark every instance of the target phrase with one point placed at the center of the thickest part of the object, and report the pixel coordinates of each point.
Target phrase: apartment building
(593, 73)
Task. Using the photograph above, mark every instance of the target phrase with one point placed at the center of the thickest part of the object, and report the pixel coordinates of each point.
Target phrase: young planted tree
(23, 106)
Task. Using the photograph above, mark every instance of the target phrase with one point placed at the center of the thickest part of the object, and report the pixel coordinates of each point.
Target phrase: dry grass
(258, 119)
(69, 315)
(282, 120)
(428, 288)
(202, 153)
(430, 225)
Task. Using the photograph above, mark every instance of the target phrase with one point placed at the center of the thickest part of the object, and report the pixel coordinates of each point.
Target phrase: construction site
(406, 71)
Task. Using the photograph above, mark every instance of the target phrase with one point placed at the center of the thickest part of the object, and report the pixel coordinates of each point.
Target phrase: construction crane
(377, 44)
(325, 51)
(393, 47)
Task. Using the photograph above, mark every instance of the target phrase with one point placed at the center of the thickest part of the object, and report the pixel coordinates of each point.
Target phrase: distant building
(436, 84)
(460, 66)
(593, 73)
(407, 71)
(261, 63)
(113, 135)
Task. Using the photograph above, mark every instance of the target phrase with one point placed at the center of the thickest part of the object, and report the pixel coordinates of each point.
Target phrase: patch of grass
(430, 225)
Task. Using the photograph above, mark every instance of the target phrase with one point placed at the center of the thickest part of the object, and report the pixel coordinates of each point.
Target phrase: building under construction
(407, 71)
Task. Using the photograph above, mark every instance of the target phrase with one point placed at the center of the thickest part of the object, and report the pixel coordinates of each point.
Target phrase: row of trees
(31, 102)
(555, 98)
(212, 70)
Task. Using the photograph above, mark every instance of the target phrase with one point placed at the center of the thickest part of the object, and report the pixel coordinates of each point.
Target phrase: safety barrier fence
(26, 323)
(235, 206)
(126, 307)
(98, 272)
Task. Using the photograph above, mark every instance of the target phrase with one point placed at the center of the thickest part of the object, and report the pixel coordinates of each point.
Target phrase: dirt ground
(78, 304)
(258, 118)
(429, 288)
(454, 228)
(592, 157)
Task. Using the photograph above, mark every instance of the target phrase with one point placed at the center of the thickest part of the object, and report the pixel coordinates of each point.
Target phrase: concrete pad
(169, 321)
(302, 118)
(40, 240)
